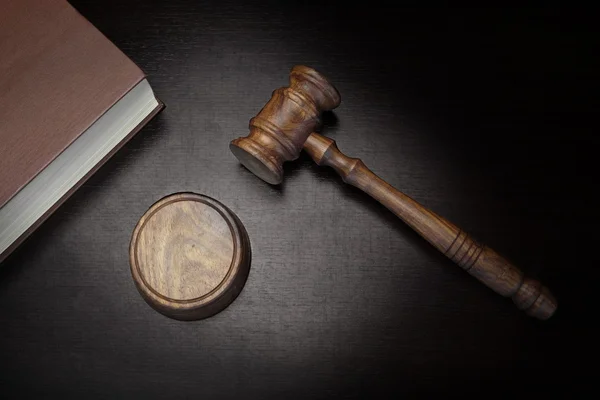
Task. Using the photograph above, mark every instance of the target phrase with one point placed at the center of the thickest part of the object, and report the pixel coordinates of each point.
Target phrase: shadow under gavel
(286, 125)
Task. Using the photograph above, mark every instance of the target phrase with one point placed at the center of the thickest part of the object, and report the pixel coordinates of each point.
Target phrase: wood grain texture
(280, 129)
(476, 113)
(189, 256)
(483, 263)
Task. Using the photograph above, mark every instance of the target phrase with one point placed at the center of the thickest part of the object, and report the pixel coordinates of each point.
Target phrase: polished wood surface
(479, 114)
(280, 129)
(189, 256)
(478, 260)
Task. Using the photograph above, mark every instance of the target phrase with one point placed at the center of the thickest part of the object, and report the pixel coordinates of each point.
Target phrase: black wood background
(482, 115)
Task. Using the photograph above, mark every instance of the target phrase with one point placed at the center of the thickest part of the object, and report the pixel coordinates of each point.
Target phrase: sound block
(190, 256)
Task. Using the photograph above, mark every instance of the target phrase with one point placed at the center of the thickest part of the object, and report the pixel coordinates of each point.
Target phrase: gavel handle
(478, 260)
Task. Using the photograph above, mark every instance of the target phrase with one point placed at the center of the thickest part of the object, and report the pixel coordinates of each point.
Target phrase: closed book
(69, 99)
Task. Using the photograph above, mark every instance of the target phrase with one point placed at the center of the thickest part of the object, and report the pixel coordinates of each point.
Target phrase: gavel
(286, 125)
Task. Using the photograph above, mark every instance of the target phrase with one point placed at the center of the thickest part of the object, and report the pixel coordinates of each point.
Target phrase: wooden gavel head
(278, 132)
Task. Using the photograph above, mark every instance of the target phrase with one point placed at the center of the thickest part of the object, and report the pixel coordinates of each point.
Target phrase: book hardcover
(69, 99)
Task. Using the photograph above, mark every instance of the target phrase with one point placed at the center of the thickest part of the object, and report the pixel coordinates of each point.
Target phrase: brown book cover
(58, 76)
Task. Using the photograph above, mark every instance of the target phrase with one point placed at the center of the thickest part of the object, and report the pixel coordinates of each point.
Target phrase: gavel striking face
(286, 125)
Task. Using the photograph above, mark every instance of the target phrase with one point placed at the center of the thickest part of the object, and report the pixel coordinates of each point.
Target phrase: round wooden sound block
(190, 256)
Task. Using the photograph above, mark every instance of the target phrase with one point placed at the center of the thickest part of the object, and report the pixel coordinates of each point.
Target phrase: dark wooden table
(482, 115)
